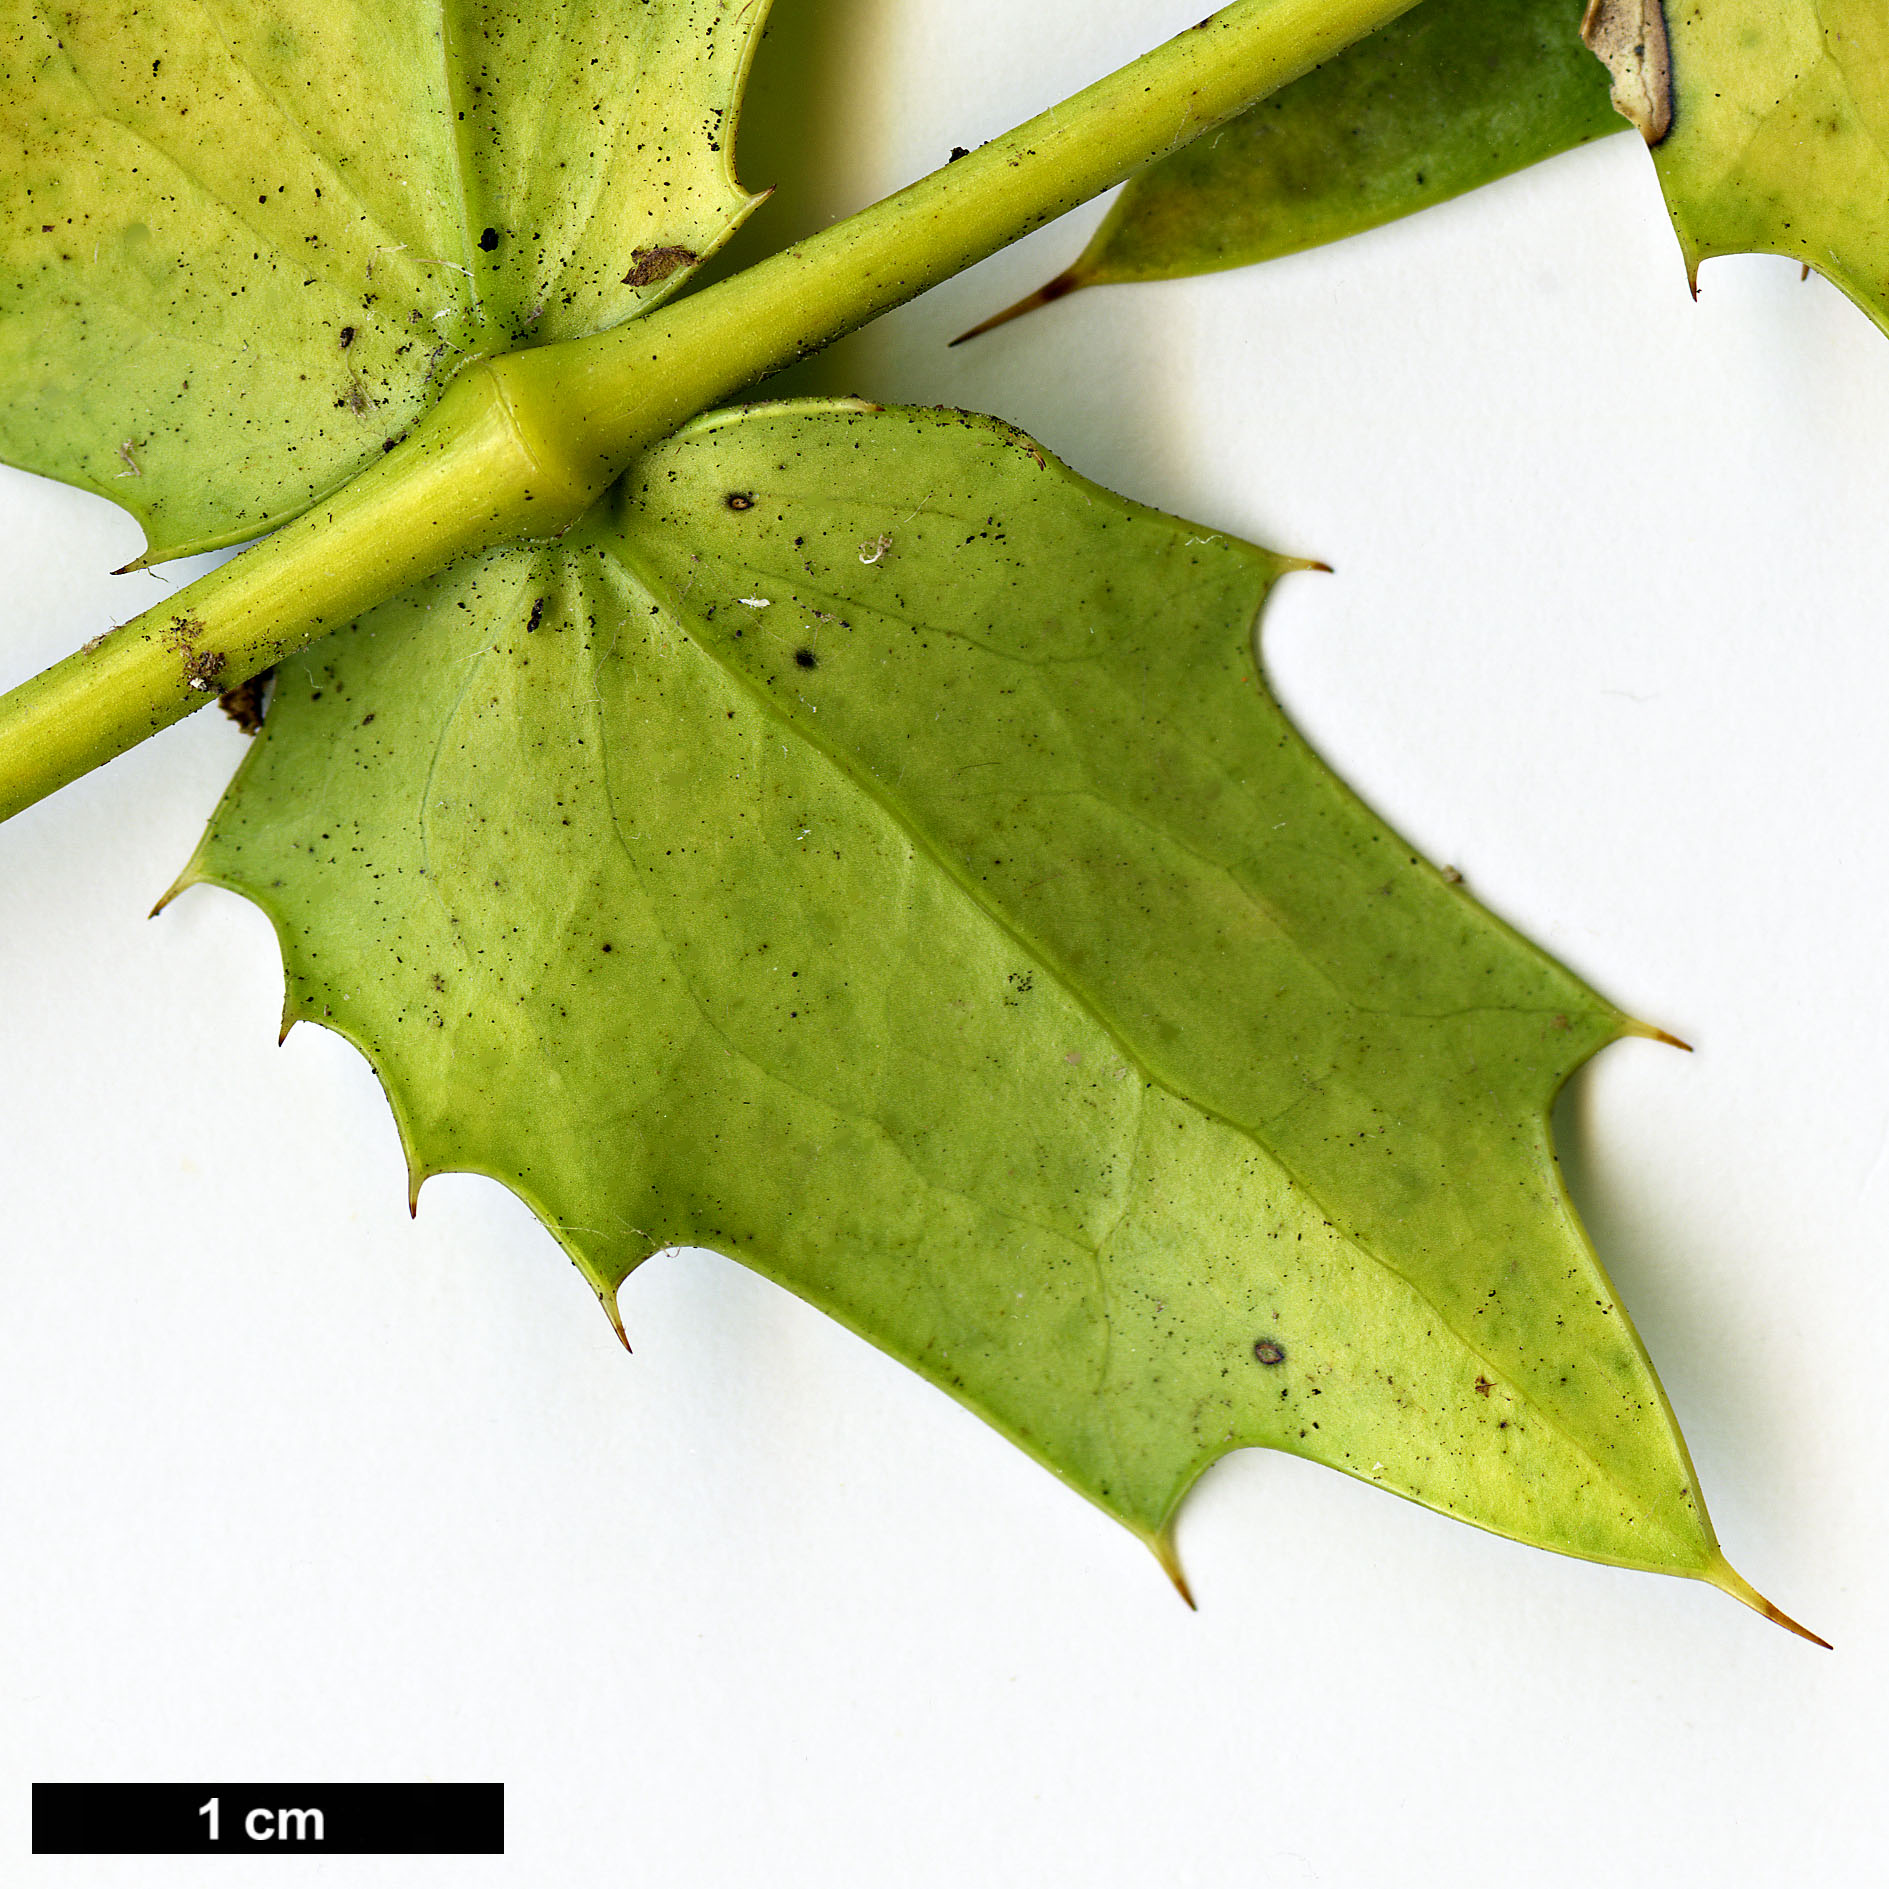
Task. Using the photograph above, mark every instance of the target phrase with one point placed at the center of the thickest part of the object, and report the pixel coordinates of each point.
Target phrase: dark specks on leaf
(1069, 890)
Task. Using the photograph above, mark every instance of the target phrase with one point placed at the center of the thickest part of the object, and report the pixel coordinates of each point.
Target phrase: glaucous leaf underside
(243, 243)
(864, 847)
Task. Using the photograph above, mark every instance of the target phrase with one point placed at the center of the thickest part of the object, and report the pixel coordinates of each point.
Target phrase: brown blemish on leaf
(1483, 1387)
(657, 265)
(248, 703)
(1628, 37)
(1269, 1351)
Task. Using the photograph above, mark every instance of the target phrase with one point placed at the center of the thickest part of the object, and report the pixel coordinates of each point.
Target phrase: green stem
(523, 445)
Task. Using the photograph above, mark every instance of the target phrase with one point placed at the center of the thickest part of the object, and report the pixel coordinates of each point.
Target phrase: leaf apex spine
(182, 883)
(1170, 1560)
(608, 1300)
(1655, 1034)
(1065, 284)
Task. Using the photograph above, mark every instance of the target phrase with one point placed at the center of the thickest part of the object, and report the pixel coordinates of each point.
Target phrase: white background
(293, 1487)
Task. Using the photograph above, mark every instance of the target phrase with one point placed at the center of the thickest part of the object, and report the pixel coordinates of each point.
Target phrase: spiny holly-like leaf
(867, 848)
(247, 241)
(1770, 128)
(1454, 94)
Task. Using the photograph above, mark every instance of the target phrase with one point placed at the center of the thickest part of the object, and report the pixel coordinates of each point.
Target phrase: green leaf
(1454, 94)
(246, 244)
(1779, 139)
(869, 849)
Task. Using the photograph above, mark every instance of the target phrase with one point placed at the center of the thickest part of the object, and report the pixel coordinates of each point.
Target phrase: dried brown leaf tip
(656, 265)
(1629, 39)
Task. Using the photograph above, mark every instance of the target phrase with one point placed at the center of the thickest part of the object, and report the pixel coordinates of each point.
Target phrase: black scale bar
(286, 1819)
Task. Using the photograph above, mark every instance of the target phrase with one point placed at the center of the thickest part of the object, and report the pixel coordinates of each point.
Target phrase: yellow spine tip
(182, 883)
(1653, 1033)
(1728, 1580)
(608, 1300)
(1170, 1560)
